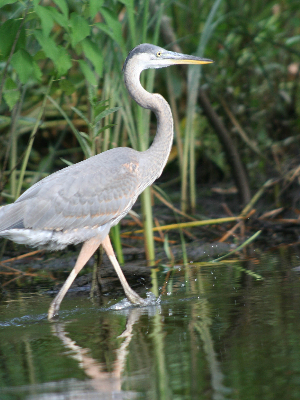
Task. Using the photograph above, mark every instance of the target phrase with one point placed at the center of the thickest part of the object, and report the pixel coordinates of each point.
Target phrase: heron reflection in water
(82, 202)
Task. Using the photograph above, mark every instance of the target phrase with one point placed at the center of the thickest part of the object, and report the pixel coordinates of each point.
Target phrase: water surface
(218, 333)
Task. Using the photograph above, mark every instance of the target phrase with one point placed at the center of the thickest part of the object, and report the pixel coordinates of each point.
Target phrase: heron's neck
(159, 151)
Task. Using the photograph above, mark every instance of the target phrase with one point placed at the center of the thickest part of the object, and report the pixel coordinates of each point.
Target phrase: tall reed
(194, 77)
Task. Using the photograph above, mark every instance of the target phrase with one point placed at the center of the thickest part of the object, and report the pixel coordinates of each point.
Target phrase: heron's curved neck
(159, 151)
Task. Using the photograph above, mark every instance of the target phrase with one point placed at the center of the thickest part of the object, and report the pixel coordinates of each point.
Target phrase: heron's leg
(130, 293)
(88, 249)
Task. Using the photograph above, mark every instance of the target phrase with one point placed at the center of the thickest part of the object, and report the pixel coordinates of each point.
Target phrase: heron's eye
(158, 54)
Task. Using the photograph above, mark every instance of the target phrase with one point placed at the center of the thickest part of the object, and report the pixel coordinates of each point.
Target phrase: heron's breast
(132, 167)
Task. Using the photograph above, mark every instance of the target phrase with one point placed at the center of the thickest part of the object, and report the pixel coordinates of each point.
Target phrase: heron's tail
(12, 216)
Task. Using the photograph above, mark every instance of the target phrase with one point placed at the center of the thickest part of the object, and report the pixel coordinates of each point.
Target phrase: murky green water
(217, 334)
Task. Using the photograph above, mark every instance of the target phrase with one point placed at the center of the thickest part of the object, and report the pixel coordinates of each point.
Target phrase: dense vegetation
(63, 98)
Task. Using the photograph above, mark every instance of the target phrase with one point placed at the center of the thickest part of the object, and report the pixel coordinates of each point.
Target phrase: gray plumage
(82, 202)
(75, 203)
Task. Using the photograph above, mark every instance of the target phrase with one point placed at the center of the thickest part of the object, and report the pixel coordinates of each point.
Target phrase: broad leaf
(11, 93)
(92, 52)
(113, 27)
(46, 19)
(80, 29)
(95, 7)
(8, 31)
(58, 17)
(58, 54)
(25, 66)
(63, 62)
(62, 4)
(4, 2)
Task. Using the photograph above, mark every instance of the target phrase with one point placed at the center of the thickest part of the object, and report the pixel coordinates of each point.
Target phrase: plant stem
(148, 226)
(116, 239)
(31, 140)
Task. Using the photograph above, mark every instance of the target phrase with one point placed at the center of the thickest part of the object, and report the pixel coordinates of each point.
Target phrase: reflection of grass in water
(235, 335)
(226, 263)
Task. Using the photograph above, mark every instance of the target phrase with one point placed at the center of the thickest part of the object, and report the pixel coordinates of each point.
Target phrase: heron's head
(147, 56)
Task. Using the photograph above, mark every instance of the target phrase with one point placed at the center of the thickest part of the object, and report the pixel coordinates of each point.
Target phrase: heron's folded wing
(89, 194)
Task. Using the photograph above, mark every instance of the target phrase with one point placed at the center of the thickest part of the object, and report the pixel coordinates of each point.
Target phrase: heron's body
(82, 202)
(77, 202)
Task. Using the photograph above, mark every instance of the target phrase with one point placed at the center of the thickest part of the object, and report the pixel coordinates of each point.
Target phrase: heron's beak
(183, 59)
(187, 61)
(178, 58)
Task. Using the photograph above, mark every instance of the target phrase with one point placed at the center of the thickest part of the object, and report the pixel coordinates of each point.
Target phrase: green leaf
(62, 4)
(87, 72)
(67, 86)
(105, 113)
(91, 50)
(113, 27)
(95, 7)
(292, 40)
(48, 45)
(100, 106)
(46, 19)
(4, 2)
(85, 144)
(25, 66)
(248, 241)
(37, 73)
(127, 3)
(58, 54)
(86, 137)
(10, 84)
(98, 109)
(11, 97)
(79, 27)
(167, 247)
(8, 31)
(103, 129)
(11, 93)
(69, 163)
(39, 55)
(82, 142)
(63, 62)
(81, 115)
(58, 17)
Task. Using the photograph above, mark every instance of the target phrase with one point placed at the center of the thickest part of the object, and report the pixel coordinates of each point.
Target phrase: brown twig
(128, 235)
(32, 253)
(240, 130)
(160, 232)
(232, 155)
(163, 290)
(168, 204)
(230, 232)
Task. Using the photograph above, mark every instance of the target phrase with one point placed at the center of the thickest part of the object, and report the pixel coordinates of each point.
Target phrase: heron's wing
(99, 190)
(11, 217)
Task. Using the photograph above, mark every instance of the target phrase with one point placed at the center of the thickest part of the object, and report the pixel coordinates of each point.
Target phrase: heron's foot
(134, 298)
(53, 310)
(126, 303)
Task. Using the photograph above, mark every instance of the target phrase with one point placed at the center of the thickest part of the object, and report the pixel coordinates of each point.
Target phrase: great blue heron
(82, 202)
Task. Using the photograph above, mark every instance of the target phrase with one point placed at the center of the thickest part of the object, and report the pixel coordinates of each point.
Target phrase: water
(217, 333)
